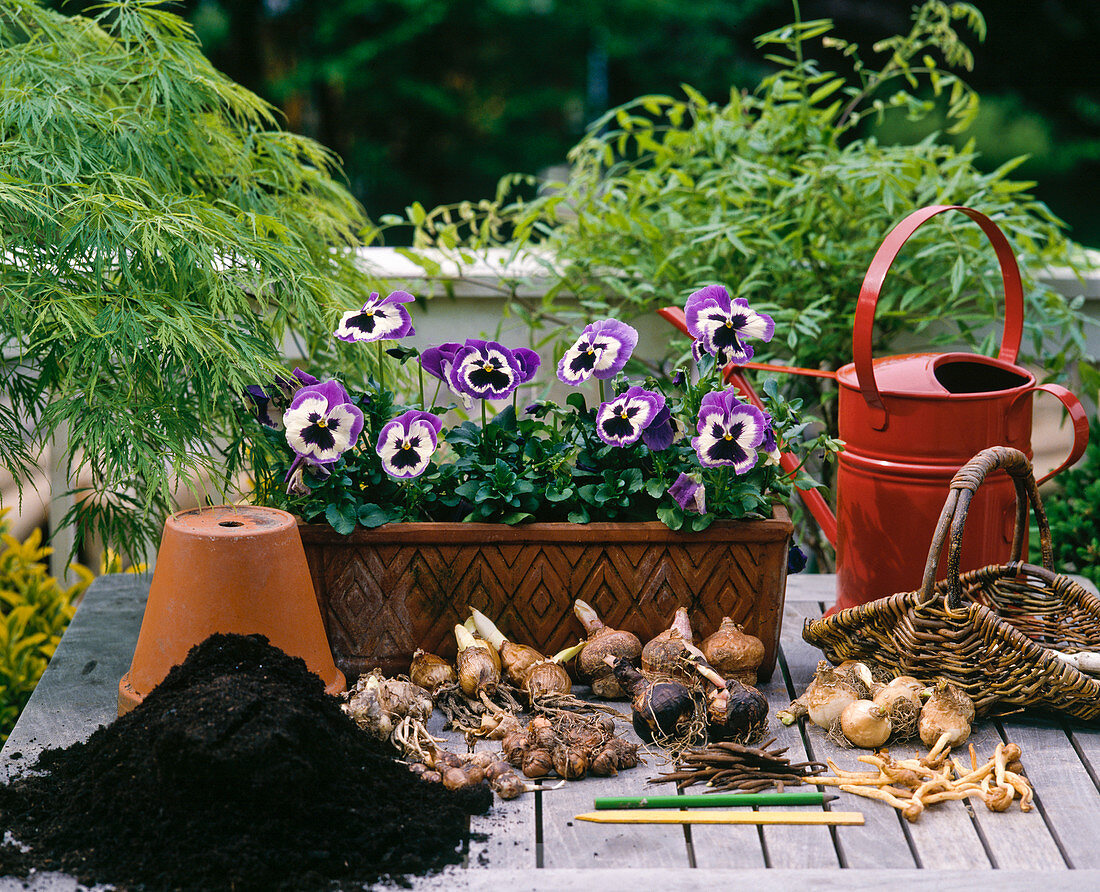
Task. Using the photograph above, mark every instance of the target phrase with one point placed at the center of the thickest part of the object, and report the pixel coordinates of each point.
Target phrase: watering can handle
(1078, 418)
(872, 285)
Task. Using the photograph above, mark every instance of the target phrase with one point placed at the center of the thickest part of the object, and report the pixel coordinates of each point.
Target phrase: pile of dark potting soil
(237, 772)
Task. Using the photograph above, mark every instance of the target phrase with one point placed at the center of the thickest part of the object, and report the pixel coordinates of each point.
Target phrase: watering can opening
(967, 373)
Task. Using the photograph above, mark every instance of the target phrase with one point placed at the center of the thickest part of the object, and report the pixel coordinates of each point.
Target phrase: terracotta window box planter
(384, 592)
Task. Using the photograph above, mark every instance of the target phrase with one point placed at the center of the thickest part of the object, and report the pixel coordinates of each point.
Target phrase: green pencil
(713, 800)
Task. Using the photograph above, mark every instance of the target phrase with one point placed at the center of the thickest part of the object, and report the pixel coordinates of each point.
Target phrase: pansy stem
(381, 369)
(602, 398)
(484, 416)
(420, 376)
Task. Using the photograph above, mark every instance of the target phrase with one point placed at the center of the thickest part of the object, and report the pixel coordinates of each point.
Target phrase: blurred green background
(434, 100)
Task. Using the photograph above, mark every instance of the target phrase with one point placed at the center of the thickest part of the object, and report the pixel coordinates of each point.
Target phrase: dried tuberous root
(911, 785)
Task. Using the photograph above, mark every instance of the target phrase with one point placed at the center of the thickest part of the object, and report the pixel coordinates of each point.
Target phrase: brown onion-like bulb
(605, 763)
(663, 654)
(865, 724)
(455, 779)
(733, 652)
(945, 719)
(515, 659)
(537, 763)
(476, 671)
(603, 642)
(509, 786)
(570, 762)
(544, 678)
(663, 708)
(497, 768)
(430, 671)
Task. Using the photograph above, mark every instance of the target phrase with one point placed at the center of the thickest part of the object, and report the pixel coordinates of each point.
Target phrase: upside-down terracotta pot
(229, 569)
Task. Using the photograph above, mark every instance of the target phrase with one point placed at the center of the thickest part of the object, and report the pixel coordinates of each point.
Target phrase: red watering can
(909, 423)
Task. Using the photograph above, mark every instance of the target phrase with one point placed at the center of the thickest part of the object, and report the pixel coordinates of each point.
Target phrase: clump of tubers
(392, 711)
(911, 785)
(733, 652)
(571, 746)
(602, 642)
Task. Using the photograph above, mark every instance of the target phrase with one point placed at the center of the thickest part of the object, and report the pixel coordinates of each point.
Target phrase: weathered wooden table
(535, 843)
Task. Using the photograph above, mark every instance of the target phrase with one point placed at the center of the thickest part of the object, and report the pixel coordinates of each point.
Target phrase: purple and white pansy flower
(322, 423)
(623, 419)
(729, 432)
(600, 352)
(720, 325)
(689, 493)
(486, 370)
(378, 319)
(406, 444)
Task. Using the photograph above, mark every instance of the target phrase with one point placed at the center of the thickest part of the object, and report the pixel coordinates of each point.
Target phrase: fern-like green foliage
(1074, 515)
(779, 195)
(34, 611)
(161, 236)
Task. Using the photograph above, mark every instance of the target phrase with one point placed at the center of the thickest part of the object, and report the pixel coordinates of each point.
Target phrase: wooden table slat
(569, 843)
(789, 847)
(1070, 800)
(1014, 839)
(881, 841)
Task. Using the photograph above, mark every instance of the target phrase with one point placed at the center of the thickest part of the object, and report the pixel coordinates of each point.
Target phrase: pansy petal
(613, 342)
(529, 362)
(437, 360)
(759, 326)
(689, 493)
(397, 297)
(304, 378)
(711, 298)
(267, 409)
(660, 434)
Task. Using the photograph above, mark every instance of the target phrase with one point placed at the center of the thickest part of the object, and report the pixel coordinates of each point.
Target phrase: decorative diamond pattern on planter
(387, 591)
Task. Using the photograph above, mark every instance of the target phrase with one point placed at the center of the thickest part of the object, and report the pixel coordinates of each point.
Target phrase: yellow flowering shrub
(34, 611)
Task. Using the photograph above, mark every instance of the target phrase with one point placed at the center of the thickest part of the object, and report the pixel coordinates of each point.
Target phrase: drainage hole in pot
(230, 523)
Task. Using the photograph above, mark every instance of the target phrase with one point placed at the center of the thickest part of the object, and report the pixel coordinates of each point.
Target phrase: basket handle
(953, 517)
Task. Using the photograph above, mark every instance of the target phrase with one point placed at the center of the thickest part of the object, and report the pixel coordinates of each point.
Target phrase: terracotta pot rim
(778, 526)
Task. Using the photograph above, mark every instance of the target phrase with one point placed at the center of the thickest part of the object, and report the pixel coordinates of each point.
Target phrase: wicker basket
(993, 631)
